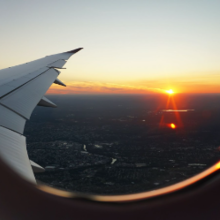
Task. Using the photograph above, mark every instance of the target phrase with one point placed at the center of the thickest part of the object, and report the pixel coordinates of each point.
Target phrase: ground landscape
(123, 144)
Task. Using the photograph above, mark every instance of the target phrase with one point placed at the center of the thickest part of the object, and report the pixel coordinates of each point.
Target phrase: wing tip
(75, 50)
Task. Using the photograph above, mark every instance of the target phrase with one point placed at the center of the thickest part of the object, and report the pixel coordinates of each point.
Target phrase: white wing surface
(23, 87)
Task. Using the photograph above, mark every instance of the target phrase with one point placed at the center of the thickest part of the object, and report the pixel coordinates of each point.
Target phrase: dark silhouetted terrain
(124, 144)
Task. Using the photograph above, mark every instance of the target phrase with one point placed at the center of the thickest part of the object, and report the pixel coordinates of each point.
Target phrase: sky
(130, 46)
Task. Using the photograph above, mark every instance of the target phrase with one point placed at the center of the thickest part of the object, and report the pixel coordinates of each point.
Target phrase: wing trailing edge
(13, 151)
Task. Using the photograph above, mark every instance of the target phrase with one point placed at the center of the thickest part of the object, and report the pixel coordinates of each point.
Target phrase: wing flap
(13, 152)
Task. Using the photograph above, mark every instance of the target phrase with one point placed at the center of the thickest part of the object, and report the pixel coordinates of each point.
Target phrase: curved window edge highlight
(136, 196)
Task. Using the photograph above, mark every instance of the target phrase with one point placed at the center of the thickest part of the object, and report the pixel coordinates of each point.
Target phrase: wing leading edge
(23, 87)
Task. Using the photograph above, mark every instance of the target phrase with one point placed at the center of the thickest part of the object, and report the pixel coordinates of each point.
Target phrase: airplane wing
(23, 87)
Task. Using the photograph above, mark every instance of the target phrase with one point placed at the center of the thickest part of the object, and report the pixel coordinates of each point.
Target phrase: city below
(105, 144)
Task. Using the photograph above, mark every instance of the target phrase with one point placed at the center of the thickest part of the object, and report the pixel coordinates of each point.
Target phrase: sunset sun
(170, 91)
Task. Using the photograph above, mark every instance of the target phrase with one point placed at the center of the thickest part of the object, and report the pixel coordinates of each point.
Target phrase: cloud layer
(77, 87)
(208, 83)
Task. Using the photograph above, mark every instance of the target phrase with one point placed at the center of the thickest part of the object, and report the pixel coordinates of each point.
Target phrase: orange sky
(99, 88)
(196, 84)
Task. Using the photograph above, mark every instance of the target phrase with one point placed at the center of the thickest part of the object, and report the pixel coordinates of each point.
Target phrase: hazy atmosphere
(130, 46)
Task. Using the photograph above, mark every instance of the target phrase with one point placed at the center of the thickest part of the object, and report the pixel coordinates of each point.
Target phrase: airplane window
(141, 110)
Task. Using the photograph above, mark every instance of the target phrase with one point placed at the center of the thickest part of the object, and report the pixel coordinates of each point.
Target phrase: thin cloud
(78, 87)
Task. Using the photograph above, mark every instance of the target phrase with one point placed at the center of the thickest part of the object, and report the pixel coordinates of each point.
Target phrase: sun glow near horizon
(168, 86)
(170, 91)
